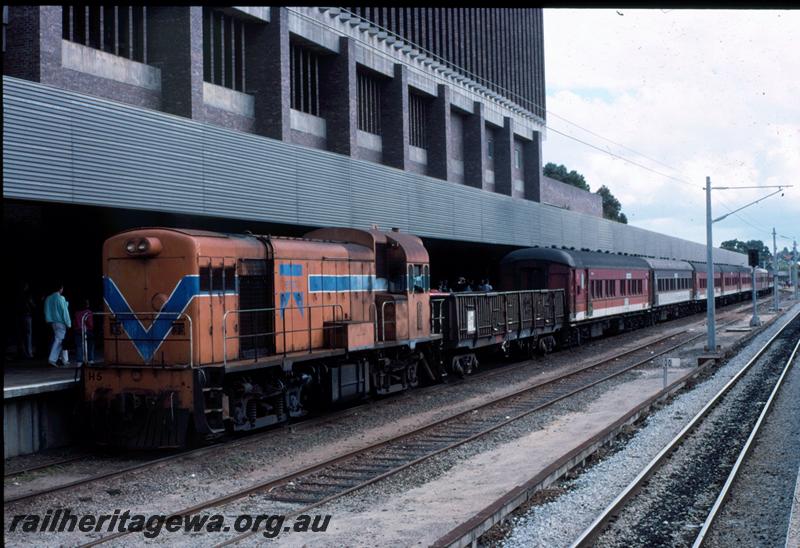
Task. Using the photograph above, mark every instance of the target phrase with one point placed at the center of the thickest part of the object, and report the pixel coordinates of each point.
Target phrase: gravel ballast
(756, 512)
(561, 521)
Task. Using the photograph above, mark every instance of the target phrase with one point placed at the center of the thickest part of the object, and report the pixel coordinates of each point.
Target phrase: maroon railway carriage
(603, 291)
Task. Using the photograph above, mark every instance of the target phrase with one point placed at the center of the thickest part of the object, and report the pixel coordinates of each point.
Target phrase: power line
(683, 181)
(611, 141)
(523, 100)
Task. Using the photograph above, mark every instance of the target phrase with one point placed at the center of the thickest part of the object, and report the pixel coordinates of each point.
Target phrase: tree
(611, 206)
(764, 254)
(559, 173)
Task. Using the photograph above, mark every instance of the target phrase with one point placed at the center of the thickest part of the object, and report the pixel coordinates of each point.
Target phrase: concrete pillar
(503, 158)
(532, 161)
(33, 41)
(474, 146)
(394, 120)
(175, 45)
(267, 75)
(439, 135)
(339, 98)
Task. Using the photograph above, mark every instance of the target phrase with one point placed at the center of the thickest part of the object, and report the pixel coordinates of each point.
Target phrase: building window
(121, 30)
(418, 120)
(369, 103)
(305, 80)
(517, 156)
(223, 49)
(490, 147)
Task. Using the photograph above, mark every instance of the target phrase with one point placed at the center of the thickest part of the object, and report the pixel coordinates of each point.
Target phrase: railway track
(43, 466)
(685, 485)
(265, 436)
(308, 488)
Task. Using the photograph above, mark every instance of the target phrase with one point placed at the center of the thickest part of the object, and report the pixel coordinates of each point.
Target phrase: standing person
(88, 326)
(27, 306)
(56, 313)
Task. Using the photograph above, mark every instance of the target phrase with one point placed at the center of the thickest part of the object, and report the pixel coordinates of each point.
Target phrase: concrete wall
(484, 81)
(37, 422)
(569, 197)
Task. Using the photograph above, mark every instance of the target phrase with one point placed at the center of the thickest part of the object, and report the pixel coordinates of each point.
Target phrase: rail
(310, 329)
(177, 316)
(598, 525)
(743, 453)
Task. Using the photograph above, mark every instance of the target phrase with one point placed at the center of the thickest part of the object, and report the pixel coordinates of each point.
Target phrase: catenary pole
(755, 321)
(794, 268)
(712, 342)
(776, 297)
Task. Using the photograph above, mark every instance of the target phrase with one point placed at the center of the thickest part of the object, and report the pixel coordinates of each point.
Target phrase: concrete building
(279, 120)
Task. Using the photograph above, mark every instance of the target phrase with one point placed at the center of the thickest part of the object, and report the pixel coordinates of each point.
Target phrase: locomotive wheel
(456, 367)
(411, 375)
(463, 365)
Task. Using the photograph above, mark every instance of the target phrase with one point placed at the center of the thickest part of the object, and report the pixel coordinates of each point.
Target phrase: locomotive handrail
(383, 318)
(437, 318)
(283, 332)
(136, 315)
(374, 317)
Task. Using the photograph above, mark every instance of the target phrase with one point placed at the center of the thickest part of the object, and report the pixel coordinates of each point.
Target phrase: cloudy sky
(698, 93)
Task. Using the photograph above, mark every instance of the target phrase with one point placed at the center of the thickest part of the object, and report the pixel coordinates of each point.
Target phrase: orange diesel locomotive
(206, 332)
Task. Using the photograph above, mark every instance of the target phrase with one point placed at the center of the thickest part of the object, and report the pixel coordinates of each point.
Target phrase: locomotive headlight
(144, 247)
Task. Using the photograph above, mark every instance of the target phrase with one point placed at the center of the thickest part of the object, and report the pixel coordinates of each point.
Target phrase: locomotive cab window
(417, 278)
(397, 279)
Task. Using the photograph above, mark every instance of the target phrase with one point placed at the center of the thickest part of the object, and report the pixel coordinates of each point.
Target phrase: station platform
(39, 404)
(25, 378)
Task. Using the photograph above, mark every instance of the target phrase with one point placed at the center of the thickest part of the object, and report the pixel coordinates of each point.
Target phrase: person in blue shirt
(56, 313)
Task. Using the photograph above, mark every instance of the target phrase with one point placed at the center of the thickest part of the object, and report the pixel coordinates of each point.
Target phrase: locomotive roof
(576, 259)
(187, 231)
